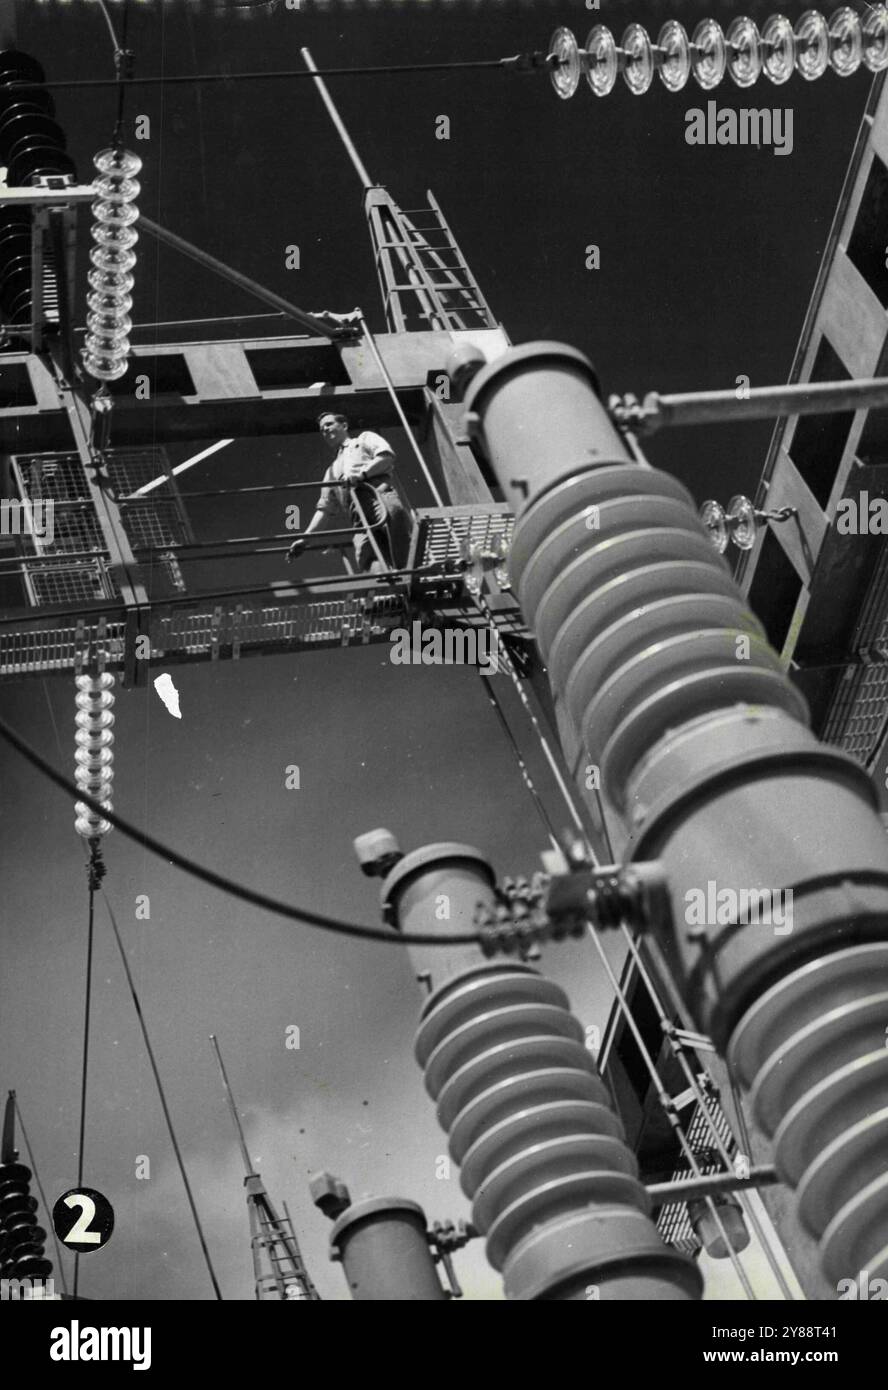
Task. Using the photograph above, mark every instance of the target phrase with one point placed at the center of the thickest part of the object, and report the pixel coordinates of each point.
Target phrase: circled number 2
(80, 1230)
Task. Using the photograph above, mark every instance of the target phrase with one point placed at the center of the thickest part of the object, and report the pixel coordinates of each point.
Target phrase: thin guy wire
(702, 1101)
(160, 1091)
(519, 757)
(381, 70)
(665, 1102)
(85, 1067)
(522, 765)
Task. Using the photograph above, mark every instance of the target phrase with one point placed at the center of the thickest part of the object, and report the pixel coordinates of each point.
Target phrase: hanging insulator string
(744, 52)
(111, 281)
(94, 757)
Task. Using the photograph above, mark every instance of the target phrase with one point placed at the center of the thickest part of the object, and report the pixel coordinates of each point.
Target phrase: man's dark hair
(337, 415)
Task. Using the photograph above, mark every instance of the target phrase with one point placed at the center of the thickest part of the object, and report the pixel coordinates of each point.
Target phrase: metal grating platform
(81, 581)
(674, 1223)
(202, 629)
(27, 649)
(451, 532)
(857, 715)
(156, 522)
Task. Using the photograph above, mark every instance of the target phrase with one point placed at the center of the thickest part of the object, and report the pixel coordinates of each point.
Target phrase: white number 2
(80, 1230)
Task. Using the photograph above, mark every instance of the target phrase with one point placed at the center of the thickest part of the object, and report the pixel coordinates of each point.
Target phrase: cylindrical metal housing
(385, 1255)
(665, 679)
(543, 1156)
(436, 890)
(733, 1225)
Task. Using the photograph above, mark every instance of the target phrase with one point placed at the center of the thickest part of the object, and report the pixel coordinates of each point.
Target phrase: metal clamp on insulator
(550, 909)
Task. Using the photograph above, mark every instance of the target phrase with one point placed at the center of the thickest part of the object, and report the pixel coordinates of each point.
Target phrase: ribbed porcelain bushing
(544, 1160)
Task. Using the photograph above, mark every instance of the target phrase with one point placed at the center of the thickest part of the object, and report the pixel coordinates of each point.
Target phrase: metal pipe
(229, 1096)
(399, 409)
(703, 751)
(237, 278)
(337, 120)
(684, 1189)
(762, 402)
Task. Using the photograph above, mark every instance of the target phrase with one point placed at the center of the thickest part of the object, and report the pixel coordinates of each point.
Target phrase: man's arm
(321, 521)
(325, 517)
(380, 461)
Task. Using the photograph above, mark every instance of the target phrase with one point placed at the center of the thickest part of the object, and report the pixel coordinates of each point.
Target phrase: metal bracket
(444, 1237)
(546, 908)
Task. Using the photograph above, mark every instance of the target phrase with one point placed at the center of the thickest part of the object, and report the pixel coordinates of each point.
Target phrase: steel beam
(237, 388)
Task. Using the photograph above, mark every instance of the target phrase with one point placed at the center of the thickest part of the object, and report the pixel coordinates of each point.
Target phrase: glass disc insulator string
(113, 259)
(811, 47)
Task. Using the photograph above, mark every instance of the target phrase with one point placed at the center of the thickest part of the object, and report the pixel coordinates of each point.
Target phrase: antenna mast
(280, 1271)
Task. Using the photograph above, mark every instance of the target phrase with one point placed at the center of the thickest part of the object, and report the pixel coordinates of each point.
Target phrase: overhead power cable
(517, 63)
(227, 885)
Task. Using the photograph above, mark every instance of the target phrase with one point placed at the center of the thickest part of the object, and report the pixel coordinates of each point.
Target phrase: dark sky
(708, 257)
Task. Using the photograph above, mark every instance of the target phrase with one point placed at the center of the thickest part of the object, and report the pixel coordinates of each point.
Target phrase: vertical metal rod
(664, 1098)
(405, 423)
(337, 120)
(248, 1163)
(7, 1145)
(701, 1099)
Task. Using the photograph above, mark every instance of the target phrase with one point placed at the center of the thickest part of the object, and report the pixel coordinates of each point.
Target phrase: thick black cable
(227, 885)
(161, 1093)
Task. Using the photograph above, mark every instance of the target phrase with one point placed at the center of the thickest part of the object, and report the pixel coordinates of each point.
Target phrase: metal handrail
(335, 538)
(235, 491)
